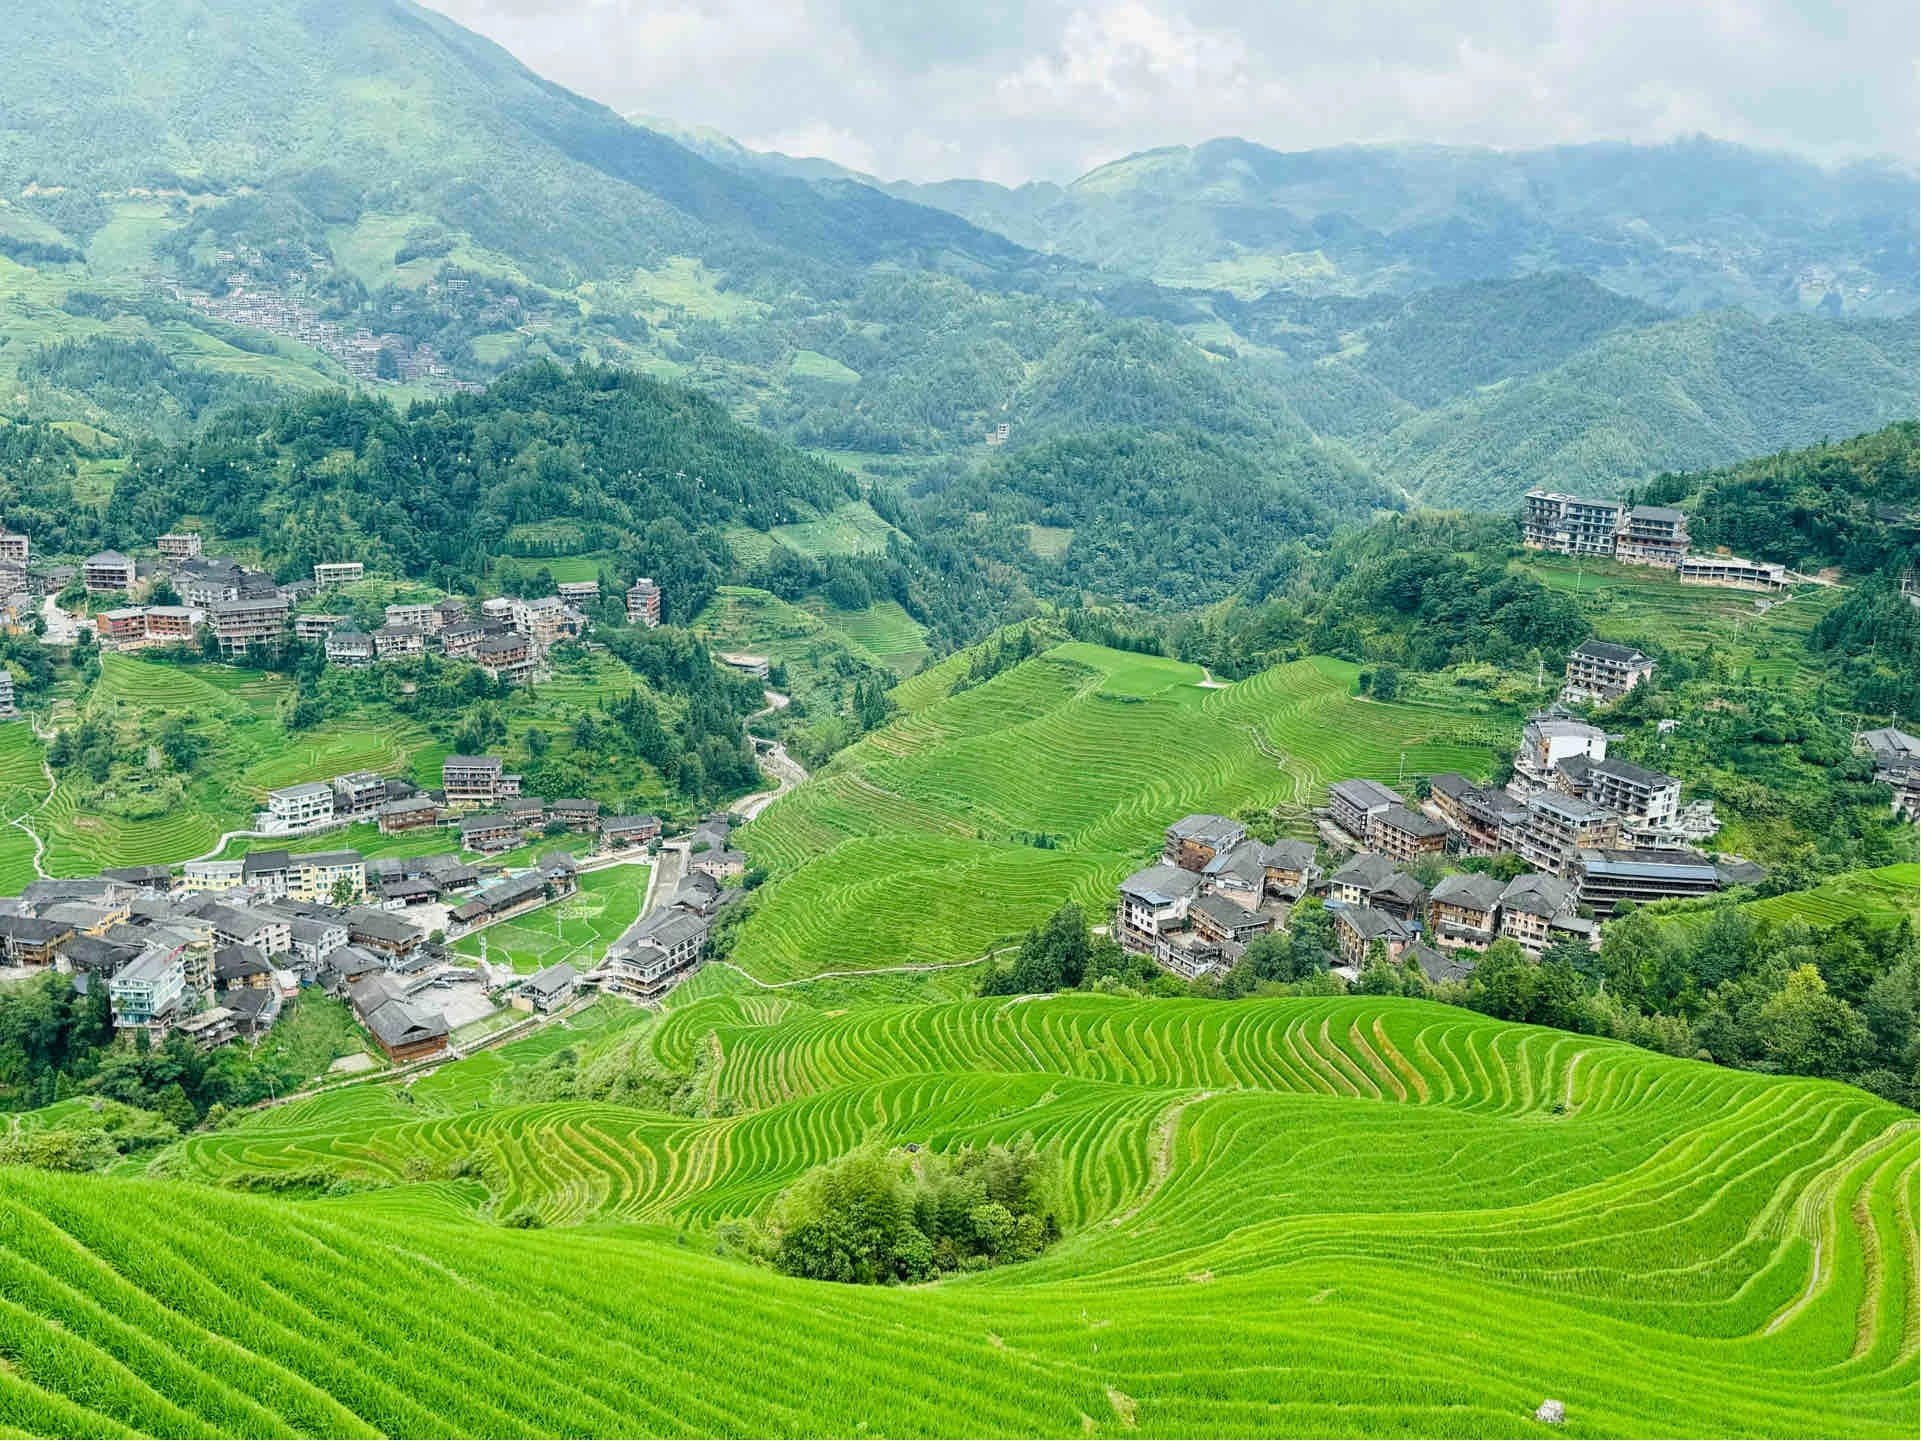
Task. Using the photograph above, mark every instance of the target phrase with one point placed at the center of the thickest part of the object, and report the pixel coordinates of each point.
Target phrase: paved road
(774, 760)
(62, 629)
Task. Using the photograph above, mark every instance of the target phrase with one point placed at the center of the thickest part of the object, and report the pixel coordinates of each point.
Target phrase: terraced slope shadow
(1346, 1216)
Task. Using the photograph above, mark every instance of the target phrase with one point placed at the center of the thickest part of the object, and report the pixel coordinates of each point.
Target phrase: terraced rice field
(917, 844)
(1290, 1217)
(249, 752)
(1634, 603)
(578, 929)
(883, 630)
(1886, 893)
(23, 786)
(853, 529)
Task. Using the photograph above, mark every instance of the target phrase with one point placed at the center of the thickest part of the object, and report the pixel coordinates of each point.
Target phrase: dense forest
(1850, 504)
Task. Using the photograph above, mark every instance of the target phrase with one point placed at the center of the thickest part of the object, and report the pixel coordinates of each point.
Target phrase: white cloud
(1017, 89)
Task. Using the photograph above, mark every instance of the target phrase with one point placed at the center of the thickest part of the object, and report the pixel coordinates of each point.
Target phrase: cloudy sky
(1014, 90)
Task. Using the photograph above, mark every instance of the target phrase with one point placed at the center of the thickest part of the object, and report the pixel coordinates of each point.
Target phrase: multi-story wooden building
(1353, 805)
(107, 572)
(1193, 841)
(250, 624)
(1404, 835)
(1465, 910)
(476, 780)
(508, 656)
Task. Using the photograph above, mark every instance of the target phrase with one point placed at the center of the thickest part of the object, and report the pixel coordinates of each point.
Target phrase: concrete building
(330, 573)
(653, 953)
(1733, 571)
(1486, 820)
(298, 807)
(15, 547)
(1531, 908)
(148, 994)
(399, 642)
(1559, 827)
(1194, 841)
(1602, 670)
(1549, 738)
(1652, 535)
(748, 664)
(1154, 902)
(1569, 524)
(423, 616)
(179, 544)
(643, 603)
(350, 648)
(358, 794)
(508, 657)
(476, 781)
(314, 875)
(1648, 802)
(250, 623)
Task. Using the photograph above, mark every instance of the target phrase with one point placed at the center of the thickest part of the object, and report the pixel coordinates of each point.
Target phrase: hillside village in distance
(214, 947)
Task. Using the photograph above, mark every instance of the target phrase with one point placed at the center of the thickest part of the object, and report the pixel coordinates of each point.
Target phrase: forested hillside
(206, 207)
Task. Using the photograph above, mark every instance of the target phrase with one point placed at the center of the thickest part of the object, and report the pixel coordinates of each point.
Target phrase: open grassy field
(1289, 1217)
(959, 825)
(578, 929)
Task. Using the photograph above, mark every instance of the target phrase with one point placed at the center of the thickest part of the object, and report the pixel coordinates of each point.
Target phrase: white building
(298, 807)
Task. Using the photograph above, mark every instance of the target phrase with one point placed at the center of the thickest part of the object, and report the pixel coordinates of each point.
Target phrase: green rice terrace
(972, 817)
(1281, 1217)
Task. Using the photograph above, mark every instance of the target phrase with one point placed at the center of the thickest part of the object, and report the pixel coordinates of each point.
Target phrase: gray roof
(1538, 895)
(1246, 862)
(1290, 855)
(629, 823)
(236, 963)
(1372, 924)
(382, 926)
(1665, 514)
(1210, 830)
(1365, 869)
(1410, 822)
(403, 1023)
(354, 960)
(1628, 771)
(664, 928)
(1470, 891)
(1438, 965)
(1607, 650)
(487, 821)
(1574, 808)
(89, 953)
(1676, 864)
(255, 862)
(1400, 887)
(1365, 795)
(332, 858)
(469, 762)
(1228, 915)
(1161, 885)
(552, 981)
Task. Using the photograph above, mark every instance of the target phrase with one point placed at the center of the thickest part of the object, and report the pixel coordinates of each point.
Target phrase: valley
(651, 787)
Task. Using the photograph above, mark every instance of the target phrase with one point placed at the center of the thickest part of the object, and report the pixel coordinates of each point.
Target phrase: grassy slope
(917, 844)
(1285, 1217)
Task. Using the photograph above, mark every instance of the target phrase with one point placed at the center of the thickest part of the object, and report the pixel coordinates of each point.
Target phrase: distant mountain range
(1685, 225)
(207, 201)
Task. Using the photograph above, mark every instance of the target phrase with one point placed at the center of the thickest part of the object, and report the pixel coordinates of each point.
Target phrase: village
(1412, 881)
(214, 948)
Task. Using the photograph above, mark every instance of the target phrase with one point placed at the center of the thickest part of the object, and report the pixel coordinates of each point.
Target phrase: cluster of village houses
(213, 949)
(1594, 831)
(249, 612)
